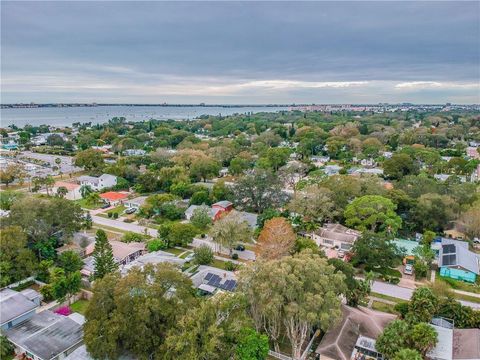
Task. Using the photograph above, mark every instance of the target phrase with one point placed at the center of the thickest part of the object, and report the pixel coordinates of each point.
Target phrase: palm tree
(62, 191)
(85, 190)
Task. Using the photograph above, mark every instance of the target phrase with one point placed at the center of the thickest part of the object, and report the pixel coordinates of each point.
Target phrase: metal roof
(14, 304)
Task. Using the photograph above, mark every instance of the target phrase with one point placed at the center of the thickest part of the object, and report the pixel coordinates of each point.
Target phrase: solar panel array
(448, 249)
(448, 260)
(216, 281)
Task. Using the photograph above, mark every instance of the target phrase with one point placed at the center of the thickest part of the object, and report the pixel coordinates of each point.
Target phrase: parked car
(130, 210)
(190, 257)
(408, 269)
(106, 205)
(240, 247)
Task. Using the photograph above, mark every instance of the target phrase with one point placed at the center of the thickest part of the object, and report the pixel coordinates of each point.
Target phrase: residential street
(378, 287)
(406, 294)
(244, 255)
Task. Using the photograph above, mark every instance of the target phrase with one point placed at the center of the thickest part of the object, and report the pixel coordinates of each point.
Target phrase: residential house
(16, 307)
(73, 190)
(135, 203)
(156, 257)
(223, 207)
(354, 336)
(319, 161)
(98, 183)
(124, 253)
(335, 236)
(456, 261)
(444, 177)
(472, 152)
(46, 336)
(331, 170)
(454, 344)
(134, 152)
(114, 197)
(210, 280)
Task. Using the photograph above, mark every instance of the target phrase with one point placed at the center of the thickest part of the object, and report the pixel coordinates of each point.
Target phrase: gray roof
(338, 232)
(91, 179)
(46, 334)
(223, 203)
(14, 304)
(140, 200)
(466, 343)
(454, 254)
(250, 218)
(340, 339)
(154, 258)
(81, 353)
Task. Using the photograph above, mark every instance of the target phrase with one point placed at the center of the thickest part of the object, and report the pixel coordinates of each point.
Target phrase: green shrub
(235, 256)
(230, 266)
(203, 255)
(155, 245)
(132, 237)
(109, 214)
(115, 215)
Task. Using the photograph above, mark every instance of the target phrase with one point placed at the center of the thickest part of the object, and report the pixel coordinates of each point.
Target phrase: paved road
(405, 294)
(66, 165)
(123, 225)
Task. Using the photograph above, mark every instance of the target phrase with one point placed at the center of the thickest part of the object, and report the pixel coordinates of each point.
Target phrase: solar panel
(448, 249)
(209, 276)
(449, 260)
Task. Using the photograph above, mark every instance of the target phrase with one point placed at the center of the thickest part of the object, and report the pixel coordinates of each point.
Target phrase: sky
(240, 52)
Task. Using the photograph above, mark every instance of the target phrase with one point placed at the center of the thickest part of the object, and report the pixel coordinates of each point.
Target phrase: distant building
(98, 183)
(134, 152)
(335, 235)
(114, 197)
(73, 190)
(135, 203)
(331, 170)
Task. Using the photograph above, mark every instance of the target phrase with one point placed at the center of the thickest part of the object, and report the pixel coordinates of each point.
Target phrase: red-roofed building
(114, 197)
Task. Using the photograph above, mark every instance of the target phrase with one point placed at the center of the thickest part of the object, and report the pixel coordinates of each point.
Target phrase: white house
(98, 183)
(335, 235)
(135, 203)
(73, 190)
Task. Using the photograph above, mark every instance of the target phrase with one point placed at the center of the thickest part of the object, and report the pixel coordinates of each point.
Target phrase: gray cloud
(240, 51)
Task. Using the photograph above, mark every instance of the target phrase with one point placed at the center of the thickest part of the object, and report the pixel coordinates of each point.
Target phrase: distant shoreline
(66, 105)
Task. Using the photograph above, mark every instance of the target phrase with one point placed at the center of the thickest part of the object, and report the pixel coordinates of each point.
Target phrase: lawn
(386, 297)
(85, 205)
(380, 306)
(80, 306)
(185, 254)
(119, 209)
(459, 285)
(174, 251)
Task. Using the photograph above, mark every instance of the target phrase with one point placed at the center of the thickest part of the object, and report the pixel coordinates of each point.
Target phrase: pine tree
(103, 256)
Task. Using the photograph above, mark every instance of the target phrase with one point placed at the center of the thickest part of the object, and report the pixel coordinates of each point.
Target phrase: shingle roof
(466, 344)
(340, 340)
(46, 334)
(338, 232)
(14, 304)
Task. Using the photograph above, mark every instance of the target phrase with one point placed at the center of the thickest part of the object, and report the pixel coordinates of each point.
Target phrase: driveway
(244, 255)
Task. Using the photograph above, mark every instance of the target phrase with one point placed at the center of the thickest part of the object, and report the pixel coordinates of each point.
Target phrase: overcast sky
(240, 52)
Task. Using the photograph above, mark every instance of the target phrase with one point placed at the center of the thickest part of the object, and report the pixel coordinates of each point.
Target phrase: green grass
(84, 204)
(119, 209)
(473, 299)
(80, 306)
(380, 306)
(459, 285)
(386, 297)
(174, 251)
(185, 254)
